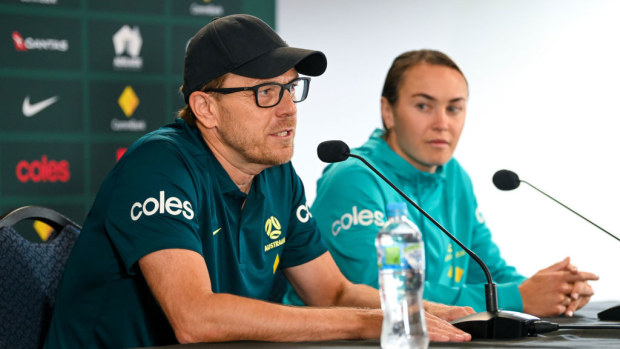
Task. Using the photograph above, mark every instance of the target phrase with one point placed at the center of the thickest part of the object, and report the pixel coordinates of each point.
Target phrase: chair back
(29, 275)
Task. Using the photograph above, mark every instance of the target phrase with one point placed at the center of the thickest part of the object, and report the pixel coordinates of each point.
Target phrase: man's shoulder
(177, 134)
(172, 140)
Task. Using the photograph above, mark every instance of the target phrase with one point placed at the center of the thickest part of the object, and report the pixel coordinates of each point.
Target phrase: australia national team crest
(273, 229)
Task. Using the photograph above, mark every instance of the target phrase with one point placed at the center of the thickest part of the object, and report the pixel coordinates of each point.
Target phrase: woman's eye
(454, 109)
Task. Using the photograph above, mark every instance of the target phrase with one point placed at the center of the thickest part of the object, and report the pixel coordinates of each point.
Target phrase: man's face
(426, 122)
(258, 135)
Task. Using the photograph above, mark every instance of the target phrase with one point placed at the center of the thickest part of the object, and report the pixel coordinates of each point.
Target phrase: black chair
(29, 275)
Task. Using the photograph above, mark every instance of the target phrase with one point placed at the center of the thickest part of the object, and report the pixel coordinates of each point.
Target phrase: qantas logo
(30, 110)
(151, 206)
(29, 43)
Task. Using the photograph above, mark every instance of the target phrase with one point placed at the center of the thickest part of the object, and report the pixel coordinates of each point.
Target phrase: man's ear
(204, 108)
(387, 114)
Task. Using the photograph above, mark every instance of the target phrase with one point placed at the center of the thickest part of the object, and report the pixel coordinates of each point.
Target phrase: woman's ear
(387, 114)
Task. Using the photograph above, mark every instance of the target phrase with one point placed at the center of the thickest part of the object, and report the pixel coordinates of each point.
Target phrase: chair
(29, 275)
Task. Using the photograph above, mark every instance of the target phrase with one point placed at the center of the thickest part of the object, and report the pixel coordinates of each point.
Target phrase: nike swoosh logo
(217, 231)
(33, 109)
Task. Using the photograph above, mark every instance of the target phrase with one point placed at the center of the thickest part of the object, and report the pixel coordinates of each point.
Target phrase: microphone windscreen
(333, 151)
(506, 180)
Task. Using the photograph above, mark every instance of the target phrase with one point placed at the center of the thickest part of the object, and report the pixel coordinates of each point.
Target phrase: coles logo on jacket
(363, 217)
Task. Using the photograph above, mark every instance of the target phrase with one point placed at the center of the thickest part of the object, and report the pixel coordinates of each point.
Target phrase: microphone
(493, 323)
(508, 180)
(333, 151)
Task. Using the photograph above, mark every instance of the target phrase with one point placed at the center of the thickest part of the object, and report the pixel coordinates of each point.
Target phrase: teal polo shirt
(169, 191)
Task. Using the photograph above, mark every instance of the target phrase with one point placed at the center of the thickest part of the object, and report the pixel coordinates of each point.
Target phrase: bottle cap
(396, 209)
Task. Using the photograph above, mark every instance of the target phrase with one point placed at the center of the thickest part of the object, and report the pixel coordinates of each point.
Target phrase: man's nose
(286, 105)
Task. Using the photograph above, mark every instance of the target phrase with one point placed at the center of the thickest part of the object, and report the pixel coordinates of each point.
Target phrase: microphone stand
(568, 208)
(612, 313)
(493, 323)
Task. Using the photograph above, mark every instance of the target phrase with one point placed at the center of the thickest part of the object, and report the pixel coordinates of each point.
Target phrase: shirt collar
(227, 185)
(398, 165)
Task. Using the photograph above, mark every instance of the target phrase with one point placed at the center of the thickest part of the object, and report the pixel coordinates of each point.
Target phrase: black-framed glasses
(270, 94)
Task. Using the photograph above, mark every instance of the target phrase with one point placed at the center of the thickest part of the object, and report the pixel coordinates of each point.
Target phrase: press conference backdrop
(83, 79)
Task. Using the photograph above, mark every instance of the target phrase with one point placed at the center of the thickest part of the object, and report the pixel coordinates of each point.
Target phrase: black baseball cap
(246, 46)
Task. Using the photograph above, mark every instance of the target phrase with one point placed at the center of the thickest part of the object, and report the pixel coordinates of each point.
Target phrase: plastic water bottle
(400, 256)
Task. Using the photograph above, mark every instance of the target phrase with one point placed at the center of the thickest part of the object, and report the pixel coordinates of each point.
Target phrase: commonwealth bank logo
(128, 101)
(273, 228)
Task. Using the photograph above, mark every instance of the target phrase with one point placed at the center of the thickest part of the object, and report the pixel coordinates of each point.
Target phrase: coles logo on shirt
(171, 205)
(363, 217)
(303, 213)
(479, 216)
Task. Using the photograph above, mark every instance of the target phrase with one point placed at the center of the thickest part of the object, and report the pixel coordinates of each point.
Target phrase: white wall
(544, 102)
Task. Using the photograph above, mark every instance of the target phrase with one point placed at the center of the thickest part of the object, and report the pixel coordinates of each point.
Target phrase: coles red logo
(43, 170)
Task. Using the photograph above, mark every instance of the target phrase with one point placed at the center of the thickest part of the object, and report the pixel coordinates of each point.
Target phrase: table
(591, 338)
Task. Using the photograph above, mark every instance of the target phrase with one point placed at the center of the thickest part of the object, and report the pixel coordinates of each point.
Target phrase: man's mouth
(283, 133)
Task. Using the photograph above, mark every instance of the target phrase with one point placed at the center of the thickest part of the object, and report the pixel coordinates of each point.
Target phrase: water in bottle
(400, 257)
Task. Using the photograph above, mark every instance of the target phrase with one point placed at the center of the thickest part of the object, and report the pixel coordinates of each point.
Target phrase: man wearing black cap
(191, 226)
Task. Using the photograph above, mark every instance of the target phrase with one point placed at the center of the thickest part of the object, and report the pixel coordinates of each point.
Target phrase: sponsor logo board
(53, 43)
(208, 9)
(41, 105)
(107, 155)
(127, 108)
(41, 169)
(127, 47)
(31, 109)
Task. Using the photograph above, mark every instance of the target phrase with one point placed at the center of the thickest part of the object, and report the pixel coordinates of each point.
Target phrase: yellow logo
(272, 228)
(128, 101)
(275, 263)
(42, 229)
(457, 275)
